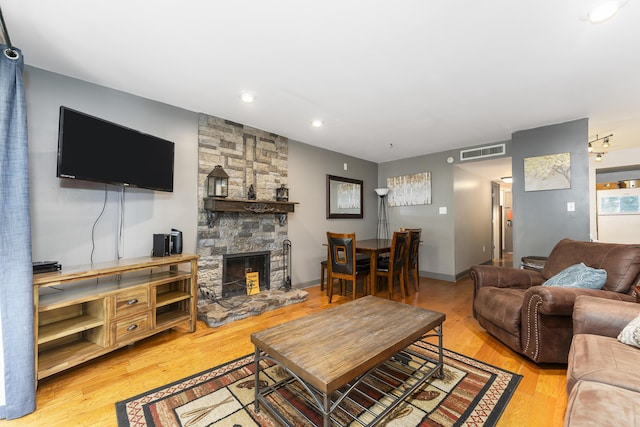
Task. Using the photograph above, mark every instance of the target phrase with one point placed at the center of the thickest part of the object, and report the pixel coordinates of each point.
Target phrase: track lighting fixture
(599, 146)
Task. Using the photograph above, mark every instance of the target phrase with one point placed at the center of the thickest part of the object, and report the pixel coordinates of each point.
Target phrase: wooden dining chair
(394, 267)
(341, 262)
(360, 259)
(412, 258)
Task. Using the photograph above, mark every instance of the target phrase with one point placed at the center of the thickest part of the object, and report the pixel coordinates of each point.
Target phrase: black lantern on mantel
(217, 183)
(282, 194)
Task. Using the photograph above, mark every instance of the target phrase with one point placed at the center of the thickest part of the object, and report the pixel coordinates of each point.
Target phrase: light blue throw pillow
(579, 276)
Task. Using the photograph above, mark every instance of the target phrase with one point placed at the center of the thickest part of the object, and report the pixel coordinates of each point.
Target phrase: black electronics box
(161, 245)
(176, 241)
(45, 266)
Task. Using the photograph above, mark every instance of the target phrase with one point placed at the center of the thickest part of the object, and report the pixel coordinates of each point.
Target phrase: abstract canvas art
(410, 190)
(550, 172)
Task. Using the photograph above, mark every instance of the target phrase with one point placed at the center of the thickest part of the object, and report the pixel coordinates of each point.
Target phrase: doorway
(494, 170)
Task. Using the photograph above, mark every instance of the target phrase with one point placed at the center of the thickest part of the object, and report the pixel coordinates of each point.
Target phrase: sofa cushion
(579, 276)
(621, 261)
(596, 404)
(602, 359)
(630, 335)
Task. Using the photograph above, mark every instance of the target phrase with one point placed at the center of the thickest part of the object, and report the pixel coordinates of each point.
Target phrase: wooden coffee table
(331, 352)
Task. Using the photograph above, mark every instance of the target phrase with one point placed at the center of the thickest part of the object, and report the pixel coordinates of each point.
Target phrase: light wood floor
(85, 395)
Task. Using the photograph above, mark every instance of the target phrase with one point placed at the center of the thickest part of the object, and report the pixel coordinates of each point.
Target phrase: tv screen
(93, 149)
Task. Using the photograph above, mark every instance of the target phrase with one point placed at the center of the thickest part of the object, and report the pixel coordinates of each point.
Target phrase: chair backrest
(399, 247)
(414, 241)
(341, 256)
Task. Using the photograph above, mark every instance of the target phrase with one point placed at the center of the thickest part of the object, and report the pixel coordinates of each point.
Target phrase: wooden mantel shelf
(219, 204)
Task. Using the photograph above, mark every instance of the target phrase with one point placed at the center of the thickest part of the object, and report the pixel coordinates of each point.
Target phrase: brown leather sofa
(602, 373)
(536, 320)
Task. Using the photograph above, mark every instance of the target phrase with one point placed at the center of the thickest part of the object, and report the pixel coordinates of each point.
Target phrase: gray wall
(540, 218)
(451, 242)
(437, 251)
(472, 214)
(308, 167)
(63, 211)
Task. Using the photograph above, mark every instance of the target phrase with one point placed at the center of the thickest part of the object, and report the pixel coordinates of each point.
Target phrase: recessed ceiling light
(317, 123)
(604, 11)
(247, 97)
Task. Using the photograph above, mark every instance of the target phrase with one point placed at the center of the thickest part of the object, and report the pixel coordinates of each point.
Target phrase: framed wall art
(550, 172)
(344, 197)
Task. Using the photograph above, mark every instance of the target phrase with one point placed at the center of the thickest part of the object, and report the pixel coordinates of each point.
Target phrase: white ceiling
(390, 79)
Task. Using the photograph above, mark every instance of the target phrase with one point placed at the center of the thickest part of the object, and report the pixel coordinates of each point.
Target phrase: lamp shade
(381, 191)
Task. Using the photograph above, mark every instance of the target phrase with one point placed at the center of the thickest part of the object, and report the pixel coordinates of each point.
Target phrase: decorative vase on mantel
(252, 193)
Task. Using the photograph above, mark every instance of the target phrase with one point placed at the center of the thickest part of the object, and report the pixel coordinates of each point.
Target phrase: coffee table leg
(257, 379)
(440, 373)
(326, 416)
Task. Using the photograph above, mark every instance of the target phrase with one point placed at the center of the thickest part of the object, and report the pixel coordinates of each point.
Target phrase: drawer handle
(132, 327)
(132, 301)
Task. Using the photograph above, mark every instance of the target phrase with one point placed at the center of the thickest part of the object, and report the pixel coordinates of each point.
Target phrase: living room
(65, 213)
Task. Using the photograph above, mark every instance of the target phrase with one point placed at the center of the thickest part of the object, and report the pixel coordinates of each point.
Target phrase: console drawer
(129, 329)
(131, 302)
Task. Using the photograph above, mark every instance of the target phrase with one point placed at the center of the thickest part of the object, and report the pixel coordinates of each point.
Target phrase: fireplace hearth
(217, 313)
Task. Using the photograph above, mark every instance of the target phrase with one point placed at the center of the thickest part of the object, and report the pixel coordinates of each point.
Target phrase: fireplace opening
(235, 268)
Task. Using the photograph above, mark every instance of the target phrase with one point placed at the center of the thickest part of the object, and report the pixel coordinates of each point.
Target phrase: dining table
(373, 248)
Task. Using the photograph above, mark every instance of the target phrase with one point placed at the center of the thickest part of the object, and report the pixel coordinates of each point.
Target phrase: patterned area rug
(471, 393)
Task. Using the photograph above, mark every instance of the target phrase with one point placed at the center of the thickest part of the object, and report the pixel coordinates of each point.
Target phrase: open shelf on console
(169, 318)
(65, 356)
(67, 327)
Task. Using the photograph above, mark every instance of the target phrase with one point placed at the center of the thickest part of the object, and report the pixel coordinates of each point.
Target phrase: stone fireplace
(251, 157)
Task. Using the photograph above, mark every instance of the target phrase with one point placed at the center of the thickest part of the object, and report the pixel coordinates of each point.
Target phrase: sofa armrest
(559, 301)
(606, 317)
(504, 277)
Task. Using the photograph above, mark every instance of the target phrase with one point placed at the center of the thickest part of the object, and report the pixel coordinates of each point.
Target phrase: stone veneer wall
(250, 157)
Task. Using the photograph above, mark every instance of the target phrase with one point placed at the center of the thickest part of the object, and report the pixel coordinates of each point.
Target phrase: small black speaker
(176, 241)
(161, 245)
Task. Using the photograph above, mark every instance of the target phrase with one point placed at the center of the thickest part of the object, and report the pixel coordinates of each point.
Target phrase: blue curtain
(16, 281)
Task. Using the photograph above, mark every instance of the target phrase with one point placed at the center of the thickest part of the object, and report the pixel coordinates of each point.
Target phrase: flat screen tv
(92, 149)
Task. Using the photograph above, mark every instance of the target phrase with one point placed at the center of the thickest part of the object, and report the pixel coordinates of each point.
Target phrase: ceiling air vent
(481, 152)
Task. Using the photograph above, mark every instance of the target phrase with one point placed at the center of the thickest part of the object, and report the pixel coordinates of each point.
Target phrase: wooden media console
(83, 312)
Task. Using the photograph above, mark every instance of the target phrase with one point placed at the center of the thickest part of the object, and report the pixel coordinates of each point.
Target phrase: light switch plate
(571, 206)
(443, 210)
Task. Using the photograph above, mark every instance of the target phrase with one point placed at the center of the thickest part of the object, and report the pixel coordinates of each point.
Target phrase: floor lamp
(383, 224)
